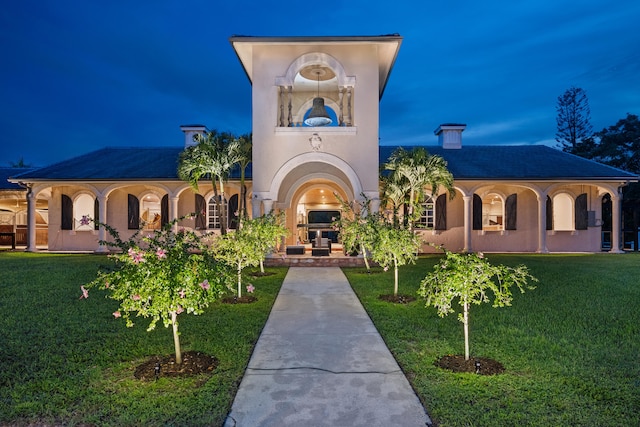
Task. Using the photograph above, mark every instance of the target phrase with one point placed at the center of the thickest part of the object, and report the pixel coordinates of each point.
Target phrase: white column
(281, 102)
(467, 223)
(173, 211)
(340, 103)
(255, 206)
(31, 220)
(615, 223)
(349, 121)
(102, 235)
(268, 205)
(542, 223)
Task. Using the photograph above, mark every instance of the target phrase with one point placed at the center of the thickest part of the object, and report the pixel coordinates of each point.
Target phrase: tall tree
(415, 170)
(213, 156)
(573, 119)
(619, 145)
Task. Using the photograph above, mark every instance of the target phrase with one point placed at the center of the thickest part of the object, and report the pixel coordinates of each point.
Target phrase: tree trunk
(465, 323)
(239, 279)
(176, 337)
(223, 210)
(395, 274)
(261, 266)
(364, 254)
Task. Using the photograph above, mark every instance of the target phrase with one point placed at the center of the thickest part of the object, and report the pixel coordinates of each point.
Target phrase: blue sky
(76, 76)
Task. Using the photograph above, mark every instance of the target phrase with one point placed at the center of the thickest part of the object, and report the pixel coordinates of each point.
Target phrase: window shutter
(67, 213)
(201, 213)
(164, 210)
(582, 216)
(549, 213)
(96, 214)
(133, 212)
(441, 212)
(511, 211)
(477, 212)
(232, 211)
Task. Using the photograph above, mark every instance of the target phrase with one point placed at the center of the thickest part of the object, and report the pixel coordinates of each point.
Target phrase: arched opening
(563, 212)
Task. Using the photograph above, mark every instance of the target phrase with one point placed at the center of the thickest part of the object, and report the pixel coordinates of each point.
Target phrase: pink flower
(106, 285)
(250, 288)
(386, 268)
(117, 314)
(182, 293)
(85, 292)
(179, 309)
(205, 285)
(161, 253)
(84, 220)
(135, 297)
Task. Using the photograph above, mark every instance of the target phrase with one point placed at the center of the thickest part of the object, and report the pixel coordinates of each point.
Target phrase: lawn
(68, 361)
(570, 347)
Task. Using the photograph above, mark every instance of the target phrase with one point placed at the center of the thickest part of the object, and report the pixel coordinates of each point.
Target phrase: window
(83, 213)
(151, 212)
(213, 213)
(492, 212)
(427, 214)
(563, 217)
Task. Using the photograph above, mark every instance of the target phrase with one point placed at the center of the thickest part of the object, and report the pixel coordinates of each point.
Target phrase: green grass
(67, 361)
(571, 347)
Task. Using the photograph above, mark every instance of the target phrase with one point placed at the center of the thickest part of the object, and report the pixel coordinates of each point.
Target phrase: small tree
(162, 276)
(573, 119)
(467, 278)
(357, 227)
(247, 245)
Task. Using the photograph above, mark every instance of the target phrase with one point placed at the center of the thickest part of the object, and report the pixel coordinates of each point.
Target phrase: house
(315, 103)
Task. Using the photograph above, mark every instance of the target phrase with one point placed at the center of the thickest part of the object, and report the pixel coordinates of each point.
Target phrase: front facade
(508, 198)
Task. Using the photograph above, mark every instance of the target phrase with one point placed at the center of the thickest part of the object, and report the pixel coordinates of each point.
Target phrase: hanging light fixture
(318, 115)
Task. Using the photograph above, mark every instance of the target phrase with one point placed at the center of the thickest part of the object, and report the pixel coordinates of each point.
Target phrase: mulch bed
(247, 299)
(193, 363)
(261, 274)
(457, 363)
(397, 299)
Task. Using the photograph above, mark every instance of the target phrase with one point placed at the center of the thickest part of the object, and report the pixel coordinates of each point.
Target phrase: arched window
(213, 213)
(563, 213)
(83, 212)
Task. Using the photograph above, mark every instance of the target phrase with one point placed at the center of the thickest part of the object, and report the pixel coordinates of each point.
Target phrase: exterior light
(318, 115)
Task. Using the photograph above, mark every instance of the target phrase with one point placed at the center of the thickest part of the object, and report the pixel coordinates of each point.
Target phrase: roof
(517, 163)
(504, 162)
(6, 173)
(117, 164)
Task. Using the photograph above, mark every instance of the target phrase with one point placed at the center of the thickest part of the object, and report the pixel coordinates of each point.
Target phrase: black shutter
(133, 212)
(511, 211)
(66, 222)
(582, 216)
(232, 211)
(96, 214)
(201, 213)
(441, 212)
(477, 212)
(549, 214)
(164, 210)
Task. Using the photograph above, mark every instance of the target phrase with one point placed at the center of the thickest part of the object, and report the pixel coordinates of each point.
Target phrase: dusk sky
(76, 76)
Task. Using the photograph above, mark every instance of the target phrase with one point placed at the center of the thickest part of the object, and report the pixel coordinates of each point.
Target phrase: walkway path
(320, 362)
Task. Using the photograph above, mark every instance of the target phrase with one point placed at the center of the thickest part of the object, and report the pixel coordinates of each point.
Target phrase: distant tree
(619, 145)
(19, 164)
(573, 119)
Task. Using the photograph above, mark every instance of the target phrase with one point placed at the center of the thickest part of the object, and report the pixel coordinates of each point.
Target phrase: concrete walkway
(320, 362)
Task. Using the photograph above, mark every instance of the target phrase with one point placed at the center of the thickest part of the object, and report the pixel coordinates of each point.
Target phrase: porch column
(173, 211)
(467, 223)
(31, 220)
(102, 206)
(616, 199)
(255, 206)
(542, 222)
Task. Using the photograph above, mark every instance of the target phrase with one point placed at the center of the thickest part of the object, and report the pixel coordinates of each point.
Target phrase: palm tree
(213, 156)
(245, 149)
(414, 170)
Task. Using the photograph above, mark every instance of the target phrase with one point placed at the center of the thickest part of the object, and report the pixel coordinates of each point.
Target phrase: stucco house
(508, 198)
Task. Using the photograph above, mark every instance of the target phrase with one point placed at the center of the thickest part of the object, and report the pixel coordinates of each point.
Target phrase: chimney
(450, 135)
(190, 131)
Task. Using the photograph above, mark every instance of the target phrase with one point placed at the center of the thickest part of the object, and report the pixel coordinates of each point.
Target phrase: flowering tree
(356, 226)
(161, 276)
(248, 245)
(467, 278)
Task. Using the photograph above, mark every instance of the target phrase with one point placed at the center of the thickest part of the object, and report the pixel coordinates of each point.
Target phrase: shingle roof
(6, 173)
(512, 162)
(517, 162)
(118, 164)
